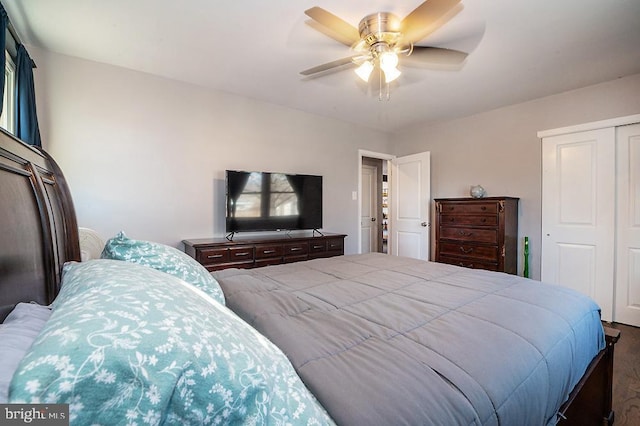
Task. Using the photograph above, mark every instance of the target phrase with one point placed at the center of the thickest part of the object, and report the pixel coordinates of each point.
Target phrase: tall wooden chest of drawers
(479, 233)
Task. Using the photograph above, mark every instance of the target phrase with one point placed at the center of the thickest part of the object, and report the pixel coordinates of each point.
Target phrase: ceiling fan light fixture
(388, 60)
(391, 74)
(364, 70)
(389, 64)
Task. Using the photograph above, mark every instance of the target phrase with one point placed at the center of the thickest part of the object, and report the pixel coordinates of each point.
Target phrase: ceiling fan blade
(435, 57)
(329, 65)
(427, 18)
(341, 30)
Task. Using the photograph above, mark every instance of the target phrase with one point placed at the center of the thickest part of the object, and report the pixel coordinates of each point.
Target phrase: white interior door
(368, 219)
(410, 203)
(578, 213)
(627, 302)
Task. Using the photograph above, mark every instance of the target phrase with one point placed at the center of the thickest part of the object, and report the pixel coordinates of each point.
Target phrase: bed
(305, 343)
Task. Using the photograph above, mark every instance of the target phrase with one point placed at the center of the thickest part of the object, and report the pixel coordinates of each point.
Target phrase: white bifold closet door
(627, 290)
(578, 214)
(591, 214)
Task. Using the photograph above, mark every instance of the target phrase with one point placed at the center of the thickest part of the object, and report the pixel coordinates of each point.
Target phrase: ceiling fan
(382, 37)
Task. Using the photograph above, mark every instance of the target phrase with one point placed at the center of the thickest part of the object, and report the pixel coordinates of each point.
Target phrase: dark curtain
(4, 21)
(236, 181)
(26, 118)
(297, 183)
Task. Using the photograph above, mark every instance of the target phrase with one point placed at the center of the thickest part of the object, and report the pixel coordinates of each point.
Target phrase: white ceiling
(256, 48)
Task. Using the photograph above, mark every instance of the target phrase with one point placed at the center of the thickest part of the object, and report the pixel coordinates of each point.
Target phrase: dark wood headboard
(38, 227)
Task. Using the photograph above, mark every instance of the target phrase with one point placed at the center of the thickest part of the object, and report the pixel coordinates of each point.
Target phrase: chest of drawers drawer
(470, 251)
(474, 207)
(469, 263)
(471, 219)
(480, 235)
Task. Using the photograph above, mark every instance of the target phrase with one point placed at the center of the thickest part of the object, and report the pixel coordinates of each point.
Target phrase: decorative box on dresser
(479, 233)
(221, 253)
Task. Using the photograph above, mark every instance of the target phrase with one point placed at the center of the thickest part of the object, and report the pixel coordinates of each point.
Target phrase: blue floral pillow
(163, 258)
(127, 344)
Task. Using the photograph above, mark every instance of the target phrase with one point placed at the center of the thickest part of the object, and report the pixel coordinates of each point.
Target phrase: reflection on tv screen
(267, 189)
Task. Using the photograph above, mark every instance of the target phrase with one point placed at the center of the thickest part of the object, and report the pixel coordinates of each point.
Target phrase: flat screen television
(265, 201)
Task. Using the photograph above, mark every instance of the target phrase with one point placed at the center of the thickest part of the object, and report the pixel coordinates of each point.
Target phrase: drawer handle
(484, 219)
(334, 245)
(483, 208)
(467, 265)
(214, 256)
(465, 234)
(453, 219)
(244, 253)
(466, 251)
(268, 251)
(295, 249)
(318, 247)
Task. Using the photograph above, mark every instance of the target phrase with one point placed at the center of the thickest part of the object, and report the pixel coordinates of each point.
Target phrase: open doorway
(408, 196)
(374, 202)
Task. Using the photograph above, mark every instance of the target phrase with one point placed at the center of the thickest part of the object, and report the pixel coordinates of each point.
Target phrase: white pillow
(17, 333)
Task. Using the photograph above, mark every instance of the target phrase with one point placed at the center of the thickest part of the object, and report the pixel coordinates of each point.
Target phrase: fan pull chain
(380, 86)
(388, 94)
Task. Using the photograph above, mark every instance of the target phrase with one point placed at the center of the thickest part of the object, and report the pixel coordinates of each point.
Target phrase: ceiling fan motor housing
(381, 27)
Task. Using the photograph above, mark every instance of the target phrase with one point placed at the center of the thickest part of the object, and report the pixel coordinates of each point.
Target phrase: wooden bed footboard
(590, 402)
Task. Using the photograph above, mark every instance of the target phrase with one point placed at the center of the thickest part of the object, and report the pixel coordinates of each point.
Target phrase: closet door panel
(576, 267)
(627, 303)
(578, 213)
(577, 171)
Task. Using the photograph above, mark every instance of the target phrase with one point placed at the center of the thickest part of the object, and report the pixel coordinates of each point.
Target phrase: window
(7, 119)
(267, 195)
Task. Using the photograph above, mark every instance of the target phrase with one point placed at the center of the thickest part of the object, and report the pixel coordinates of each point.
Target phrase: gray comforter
(383, 340)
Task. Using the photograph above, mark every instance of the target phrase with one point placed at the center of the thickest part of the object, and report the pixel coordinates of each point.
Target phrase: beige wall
(147, 154)
(500, 150)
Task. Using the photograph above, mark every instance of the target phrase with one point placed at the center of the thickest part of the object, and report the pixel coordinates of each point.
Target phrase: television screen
(263, 201)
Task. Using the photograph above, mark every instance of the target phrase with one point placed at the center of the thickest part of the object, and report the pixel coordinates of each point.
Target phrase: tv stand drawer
(266, 251)
(296, 249)
(241, 253)
(327, 248)
(220, 253)
(213, 255)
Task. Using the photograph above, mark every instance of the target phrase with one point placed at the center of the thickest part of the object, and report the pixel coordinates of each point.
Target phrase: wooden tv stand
(221, 253)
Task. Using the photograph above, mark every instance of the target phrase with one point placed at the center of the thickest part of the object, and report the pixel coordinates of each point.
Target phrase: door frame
(594, 125)
(371, 154)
